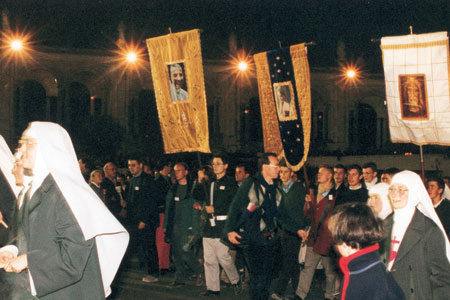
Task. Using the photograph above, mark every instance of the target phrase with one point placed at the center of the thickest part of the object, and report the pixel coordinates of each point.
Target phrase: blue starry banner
(416, 72)
(177, 73)
(285, 98)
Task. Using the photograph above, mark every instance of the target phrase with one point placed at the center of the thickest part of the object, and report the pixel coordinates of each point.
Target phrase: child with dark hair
(356, 233)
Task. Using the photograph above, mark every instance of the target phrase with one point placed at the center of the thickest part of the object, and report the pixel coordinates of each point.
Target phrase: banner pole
(305, 174)
(422, 165)
(203, 183)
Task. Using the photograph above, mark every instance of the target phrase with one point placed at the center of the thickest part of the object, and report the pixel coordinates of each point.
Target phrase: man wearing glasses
(252, 218)
(220, 191)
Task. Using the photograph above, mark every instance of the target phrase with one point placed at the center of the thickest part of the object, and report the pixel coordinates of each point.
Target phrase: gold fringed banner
(178, 81)
(285, 99)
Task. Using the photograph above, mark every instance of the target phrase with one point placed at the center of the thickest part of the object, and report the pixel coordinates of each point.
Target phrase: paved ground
(129, 286)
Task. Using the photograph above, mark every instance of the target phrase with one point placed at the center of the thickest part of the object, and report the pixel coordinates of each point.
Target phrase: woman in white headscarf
(71, 245)
(378, 200)
(419, 251)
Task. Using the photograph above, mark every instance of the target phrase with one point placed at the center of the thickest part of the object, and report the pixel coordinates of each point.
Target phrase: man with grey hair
(113, 197)
(95, 180)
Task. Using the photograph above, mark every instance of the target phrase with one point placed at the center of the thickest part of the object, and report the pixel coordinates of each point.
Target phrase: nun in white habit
(419, 251)
(378, 200)
(71, 245)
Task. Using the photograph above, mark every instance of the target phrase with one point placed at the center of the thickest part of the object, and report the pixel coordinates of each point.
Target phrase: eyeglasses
(396, 190)
(216, 164)
(27, 142)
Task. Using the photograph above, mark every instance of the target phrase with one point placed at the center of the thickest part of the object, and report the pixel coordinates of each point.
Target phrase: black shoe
(297, 297)
(175, 284)
(163, 271)
(237, 288)
(210, 293)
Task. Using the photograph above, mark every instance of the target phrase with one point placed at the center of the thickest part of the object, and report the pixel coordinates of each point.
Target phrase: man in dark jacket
(181, 225)
(252, 216)
(143, 217)
(163, 183)
(356, 191)
(220, 191)
(435, 189)
(113, 199)
(95, 179)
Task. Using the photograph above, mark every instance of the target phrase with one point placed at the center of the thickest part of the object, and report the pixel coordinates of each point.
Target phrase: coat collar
(414, 233)
(35, 200)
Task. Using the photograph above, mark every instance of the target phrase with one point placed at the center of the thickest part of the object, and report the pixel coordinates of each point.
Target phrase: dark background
(258, 25)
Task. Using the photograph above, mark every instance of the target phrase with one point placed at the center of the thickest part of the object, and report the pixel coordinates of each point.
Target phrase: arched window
(79, 103)
(30, 104)
(367, 128)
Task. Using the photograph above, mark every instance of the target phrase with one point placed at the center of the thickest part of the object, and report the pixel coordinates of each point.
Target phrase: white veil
(7, 164)
(381, 189)
(418, 197)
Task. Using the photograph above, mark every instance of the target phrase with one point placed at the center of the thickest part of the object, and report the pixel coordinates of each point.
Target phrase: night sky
(258, 25)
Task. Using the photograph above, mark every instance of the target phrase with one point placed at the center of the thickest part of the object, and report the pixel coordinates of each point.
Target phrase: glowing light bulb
(242, 66)
(131, 57)
(351, 73)
(16, 45)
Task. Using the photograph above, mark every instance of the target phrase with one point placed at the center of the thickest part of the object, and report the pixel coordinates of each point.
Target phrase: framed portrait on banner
(413, 96)
(285, 101)
(177, 82)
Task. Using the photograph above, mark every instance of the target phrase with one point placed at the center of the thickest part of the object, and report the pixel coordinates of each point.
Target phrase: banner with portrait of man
(416, 70)
(178, 81)
(285, 99)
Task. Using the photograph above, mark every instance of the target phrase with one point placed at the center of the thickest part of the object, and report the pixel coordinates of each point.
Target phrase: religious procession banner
(177, 72)
(285, 99)
(416, 69)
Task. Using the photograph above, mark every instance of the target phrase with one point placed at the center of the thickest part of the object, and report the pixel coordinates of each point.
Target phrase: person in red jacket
(318, 210)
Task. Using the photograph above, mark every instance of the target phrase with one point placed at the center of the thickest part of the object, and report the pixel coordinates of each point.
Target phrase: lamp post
(242, 67)
(131, 60)
(350, 77)
(14, 52)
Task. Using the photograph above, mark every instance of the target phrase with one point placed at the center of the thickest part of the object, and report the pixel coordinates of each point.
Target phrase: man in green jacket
(292, 223)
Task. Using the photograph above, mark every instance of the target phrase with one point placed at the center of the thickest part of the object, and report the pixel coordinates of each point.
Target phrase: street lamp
(131, 57)
(16, 45)
(242, 62)
(15, 52)
(351, 74)
(242, 66)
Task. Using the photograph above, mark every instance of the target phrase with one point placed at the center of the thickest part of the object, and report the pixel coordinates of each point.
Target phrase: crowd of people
(377, 234)
(249, 229)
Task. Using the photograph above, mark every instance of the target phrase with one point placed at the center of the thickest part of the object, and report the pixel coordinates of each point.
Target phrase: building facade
(63, 86)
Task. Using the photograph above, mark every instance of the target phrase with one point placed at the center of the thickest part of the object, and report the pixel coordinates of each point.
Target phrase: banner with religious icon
(416, 69)
(285, 98)
(177, 72)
